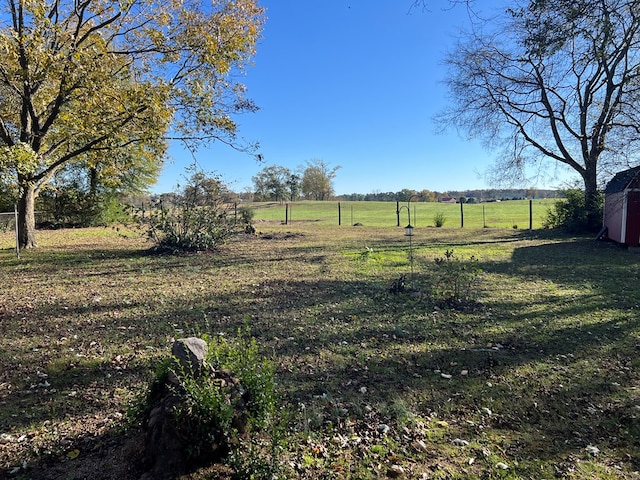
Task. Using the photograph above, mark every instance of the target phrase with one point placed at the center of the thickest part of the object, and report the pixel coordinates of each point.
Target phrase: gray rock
(191, 354)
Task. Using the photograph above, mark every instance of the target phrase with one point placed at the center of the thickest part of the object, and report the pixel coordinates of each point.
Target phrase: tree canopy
(314, 181)
(553, 79)
(317, 180)
(270, 183)
(107, 84)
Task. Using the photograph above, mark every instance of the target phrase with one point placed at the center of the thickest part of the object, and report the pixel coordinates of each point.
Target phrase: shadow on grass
(555, 379)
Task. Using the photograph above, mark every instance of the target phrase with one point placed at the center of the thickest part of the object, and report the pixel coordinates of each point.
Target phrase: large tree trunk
(593, 212)
(27, 218)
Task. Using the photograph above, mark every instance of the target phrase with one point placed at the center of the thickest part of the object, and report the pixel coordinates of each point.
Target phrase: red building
(622, 207)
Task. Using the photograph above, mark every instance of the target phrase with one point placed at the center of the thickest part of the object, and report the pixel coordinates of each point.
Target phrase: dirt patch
(279, 235)
(95, 458)
(460, 305)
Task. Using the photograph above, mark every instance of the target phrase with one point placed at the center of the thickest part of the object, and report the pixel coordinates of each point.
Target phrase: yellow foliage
(105, 83)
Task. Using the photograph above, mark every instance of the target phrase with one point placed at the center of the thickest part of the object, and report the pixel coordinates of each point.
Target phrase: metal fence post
(15, 213)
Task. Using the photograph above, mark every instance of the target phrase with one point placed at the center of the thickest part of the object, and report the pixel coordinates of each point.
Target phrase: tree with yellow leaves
(107, 84)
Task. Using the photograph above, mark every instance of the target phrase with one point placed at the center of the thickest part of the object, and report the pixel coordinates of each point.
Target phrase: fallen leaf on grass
(420, 446)
(383, 428)
(395, 471)
(73, 454)
(593, 450)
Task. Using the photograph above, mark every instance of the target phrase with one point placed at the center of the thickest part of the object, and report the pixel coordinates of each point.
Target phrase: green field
(536, 376)
(507, 214)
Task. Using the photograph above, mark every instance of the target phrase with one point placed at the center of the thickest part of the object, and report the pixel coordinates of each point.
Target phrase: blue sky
(354, 84)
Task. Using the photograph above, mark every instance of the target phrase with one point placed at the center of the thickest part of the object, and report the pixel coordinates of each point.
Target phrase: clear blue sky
(354, 84)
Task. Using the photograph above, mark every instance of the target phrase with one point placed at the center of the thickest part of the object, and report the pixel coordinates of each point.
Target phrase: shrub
(438, 219)
(246, 215)
(241, 356)
(73, 207)
(187, 228)
(197, 219)
(8, 197)
(572, 215)
(110, 210)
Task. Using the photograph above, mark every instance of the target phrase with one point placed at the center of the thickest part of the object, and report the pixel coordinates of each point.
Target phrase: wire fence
(523, 214)
(9, 220)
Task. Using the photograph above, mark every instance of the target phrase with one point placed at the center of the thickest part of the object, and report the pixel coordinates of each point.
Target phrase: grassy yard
(538, 379)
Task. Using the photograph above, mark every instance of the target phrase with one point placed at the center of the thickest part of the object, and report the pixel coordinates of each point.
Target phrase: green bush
(257, 376)
(572, 215)
(110, 210)
(438, 219)
(208, 408)
(256, 456)
(246, 215)
(187, 228)
(8, 198)
(197, 220)
(72, 207)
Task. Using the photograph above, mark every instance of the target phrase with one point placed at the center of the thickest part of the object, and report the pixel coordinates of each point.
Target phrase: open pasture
(506, 214)
(539, 380)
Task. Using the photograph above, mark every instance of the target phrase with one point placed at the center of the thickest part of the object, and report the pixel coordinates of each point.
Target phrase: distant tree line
(460, 196)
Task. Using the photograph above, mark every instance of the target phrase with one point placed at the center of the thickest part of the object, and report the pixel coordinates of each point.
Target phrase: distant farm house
(622, 207)
(447, 200)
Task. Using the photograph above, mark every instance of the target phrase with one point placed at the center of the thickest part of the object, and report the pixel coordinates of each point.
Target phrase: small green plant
(241, 356)
(455, 277)
(438, 219)
(213, 408)
(246, 215)
(206, 415)
(399, 285)
(365, 255)
(255, 456)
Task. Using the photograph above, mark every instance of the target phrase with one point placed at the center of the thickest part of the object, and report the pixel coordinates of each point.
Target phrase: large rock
(191, 354)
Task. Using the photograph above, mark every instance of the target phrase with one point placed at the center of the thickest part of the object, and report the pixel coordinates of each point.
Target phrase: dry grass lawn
(540, 379)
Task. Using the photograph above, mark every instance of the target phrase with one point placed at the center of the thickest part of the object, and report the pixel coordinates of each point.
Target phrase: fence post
(530, 214)
(15, 214)
(339, 215)
(398, 212)
(461, 215)
(484, 218)
(286, 214)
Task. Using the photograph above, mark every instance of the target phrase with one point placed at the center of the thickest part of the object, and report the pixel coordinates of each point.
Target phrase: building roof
(621, 180)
